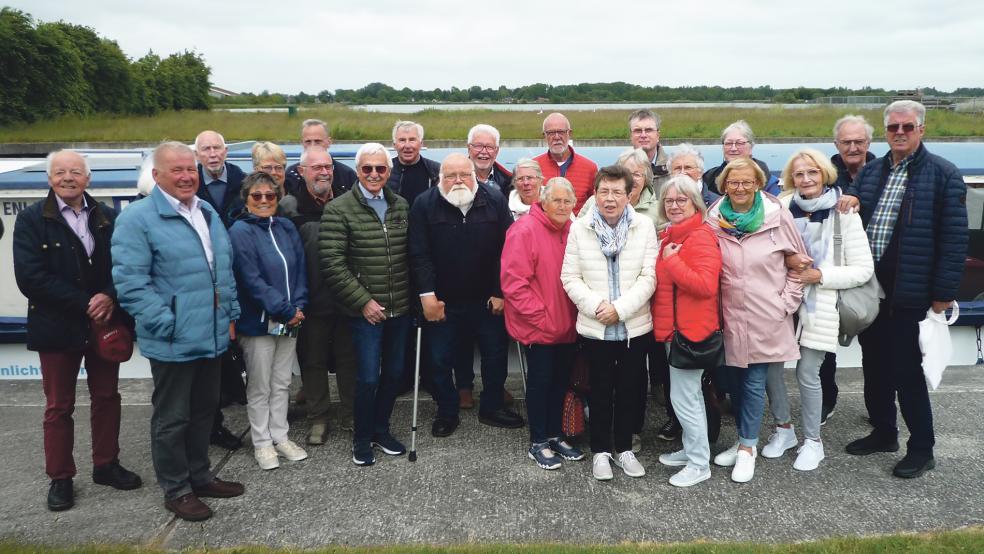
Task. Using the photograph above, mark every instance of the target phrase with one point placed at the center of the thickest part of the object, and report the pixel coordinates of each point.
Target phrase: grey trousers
(811, 396)
(688, 405)
(185, 399)
(326, 343)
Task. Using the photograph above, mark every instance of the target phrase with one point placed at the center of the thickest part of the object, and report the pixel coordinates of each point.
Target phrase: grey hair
(557, 182)
(638, 157)
(51, 156)
(906, 106)
(742, 127)
(169, 146)
(370, 148)
(645, 114)
(409, 125)
(566, 119)
(483, 128)
(305, 154)
(686, 149)
(527, 163)
(688, 187)
(860, 120)
(315, 123)
(221, 138)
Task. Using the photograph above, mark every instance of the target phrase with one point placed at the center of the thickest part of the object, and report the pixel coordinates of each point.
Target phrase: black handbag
(689, 354)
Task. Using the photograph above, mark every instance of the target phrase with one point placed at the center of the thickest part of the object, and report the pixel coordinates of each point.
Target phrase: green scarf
(742, 223)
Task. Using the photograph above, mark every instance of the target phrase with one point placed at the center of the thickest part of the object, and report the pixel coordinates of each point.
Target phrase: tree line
(51, 69)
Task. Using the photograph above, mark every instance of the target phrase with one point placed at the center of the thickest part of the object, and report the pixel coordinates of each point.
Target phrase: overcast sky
(291, 46)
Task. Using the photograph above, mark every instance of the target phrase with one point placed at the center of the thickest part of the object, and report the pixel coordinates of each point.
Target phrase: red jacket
(696, 271)
(581, 173)
(537, 309)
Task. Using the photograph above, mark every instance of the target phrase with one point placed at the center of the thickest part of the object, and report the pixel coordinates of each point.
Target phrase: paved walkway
(479, 486)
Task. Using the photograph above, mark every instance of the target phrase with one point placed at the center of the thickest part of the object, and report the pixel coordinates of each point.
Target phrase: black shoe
(914, 464)
(503, 417)
(116, 476)
(670, 431)
(224, 438)
(825, 413)
(443, 427)
(60, 495)
(871, 444)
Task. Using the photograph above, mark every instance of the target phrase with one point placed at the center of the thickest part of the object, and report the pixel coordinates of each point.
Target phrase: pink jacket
(758, 301)
(537, 309)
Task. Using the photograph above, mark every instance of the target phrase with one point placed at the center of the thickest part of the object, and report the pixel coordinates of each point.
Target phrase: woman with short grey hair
(527, 180)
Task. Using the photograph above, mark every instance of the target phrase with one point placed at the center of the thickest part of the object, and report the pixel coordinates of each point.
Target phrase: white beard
(460, 197)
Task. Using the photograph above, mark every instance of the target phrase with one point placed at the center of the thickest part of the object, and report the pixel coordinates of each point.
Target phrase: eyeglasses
(684, 169)
(857, 142)
(813, 174)
(679, 202)
(275, 168)
(611, 193)
(321, 167)
(368, 169)
(906, 127)
(640, 131)
(735, 185)
(558, 133)
(452, 177)
(526, 178)
(483, 147)
(729, 144)
(260, 196)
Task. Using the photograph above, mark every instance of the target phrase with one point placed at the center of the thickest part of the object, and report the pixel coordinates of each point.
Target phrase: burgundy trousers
(59, 374)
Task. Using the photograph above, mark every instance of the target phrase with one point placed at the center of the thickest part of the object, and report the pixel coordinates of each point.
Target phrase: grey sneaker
(629, 464)
(689, 476)
(601, 468)
(673, 459)
(289, 449)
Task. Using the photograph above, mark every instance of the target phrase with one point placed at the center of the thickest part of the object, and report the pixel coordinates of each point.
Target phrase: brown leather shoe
(465, 399)
(218, 488)
(189, 508)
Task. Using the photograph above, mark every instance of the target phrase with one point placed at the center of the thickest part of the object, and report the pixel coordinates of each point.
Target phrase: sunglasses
(906, 127)
(259, 196)
(368, 169)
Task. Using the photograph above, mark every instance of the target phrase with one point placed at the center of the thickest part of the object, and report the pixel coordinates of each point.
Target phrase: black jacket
(343, 181)
(458, 257)
(232, 200)
(711, 174)
(843, 175)
(409, 188)
(56, 276)
(502, 177)
(305, 213)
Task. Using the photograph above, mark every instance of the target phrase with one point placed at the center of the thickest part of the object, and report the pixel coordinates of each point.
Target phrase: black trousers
(828, 383)
(616, 368)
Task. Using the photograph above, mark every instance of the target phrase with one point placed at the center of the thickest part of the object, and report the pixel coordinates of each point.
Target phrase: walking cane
(416, 389)
(522, 364)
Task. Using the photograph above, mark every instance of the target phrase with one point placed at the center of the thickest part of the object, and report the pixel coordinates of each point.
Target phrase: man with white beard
(457, 230)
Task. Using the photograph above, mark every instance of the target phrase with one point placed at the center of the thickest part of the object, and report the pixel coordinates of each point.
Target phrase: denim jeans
(749, 400)
(379, 352)
(490, 333)
(811, 403)
(547, 379)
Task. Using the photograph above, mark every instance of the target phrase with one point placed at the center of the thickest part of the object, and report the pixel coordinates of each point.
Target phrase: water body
(547, 108)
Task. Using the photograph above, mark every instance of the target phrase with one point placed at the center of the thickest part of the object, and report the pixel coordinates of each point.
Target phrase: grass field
(962, 541)
(355, 125)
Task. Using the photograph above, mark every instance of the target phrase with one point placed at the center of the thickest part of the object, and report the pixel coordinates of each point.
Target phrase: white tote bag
(935, 344)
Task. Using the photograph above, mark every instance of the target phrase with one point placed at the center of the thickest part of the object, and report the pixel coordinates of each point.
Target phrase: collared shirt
(566, 164)
(886, 214)
(193, 215)
(78, 222)
(376, 201)
(216, 186)
(491, 180)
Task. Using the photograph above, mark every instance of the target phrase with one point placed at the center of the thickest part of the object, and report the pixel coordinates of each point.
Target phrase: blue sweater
(182, 307)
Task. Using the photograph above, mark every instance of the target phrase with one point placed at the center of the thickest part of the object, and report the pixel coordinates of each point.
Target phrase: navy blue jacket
(271, 275)
(931, 231)
(843, 175)
(231, 199)
(457, 257)
(408, 187)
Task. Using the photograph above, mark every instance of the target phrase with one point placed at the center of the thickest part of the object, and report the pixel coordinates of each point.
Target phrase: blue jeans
(548, 375)
(379, 353)
(490, 332)
(749, 401)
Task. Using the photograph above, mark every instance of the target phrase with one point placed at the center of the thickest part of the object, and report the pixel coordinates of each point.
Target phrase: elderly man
(62, 265)
(412, 173)
(325, 340)
(220, 180)
(644, 134)
(315, 134)
(560, 160)
(363, 246)
(456, 235)
(483, 147)
(737, 141)
(172, 266)
(913, 206)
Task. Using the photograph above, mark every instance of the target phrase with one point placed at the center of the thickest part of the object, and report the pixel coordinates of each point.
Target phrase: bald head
(557, 133)
(68, 176)
(457, 168)
(210, 148)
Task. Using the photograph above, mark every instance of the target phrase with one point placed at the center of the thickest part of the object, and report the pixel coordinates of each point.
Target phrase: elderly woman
(737, 141)
(808, 178)
(540, 316)
(527, 179)
(643, 197)
(686, 301)
(270, 159)
(272, 282)
(609, 274)
(685, 159)
(758, 298)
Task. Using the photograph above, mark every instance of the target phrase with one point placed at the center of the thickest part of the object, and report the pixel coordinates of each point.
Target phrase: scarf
(611, 239)
(816, 230)
(741, 224)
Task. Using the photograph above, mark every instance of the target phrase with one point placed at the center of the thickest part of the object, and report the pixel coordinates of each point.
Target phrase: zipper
(273, 239)
(389, 265)
(174, 312)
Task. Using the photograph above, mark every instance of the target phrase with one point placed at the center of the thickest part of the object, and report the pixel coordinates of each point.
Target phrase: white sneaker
(782, 440)
(809, 456)
(630, 465)
(288, 449)
(266, 457)
(600, 468)
(690, 475)
(728, 457)
(744, 466)
(636, 443)
(673, 459)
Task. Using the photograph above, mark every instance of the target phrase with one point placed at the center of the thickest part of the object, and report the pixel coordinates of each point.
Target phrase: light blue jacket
(182, 308)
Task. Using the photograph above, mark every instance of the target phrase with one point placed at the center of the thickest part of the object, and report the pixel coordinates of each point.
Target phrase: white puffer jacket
(585, 276)
(819, 330)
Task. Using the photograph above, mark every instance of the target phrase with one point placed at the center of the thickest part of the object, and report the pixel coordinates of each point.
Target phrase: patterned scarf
(816, 230)
(611, 239)
(741, 224)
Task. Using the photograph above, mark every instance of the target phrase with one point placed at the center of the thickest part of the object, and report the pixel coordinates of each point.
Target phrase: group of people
(335, 269)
